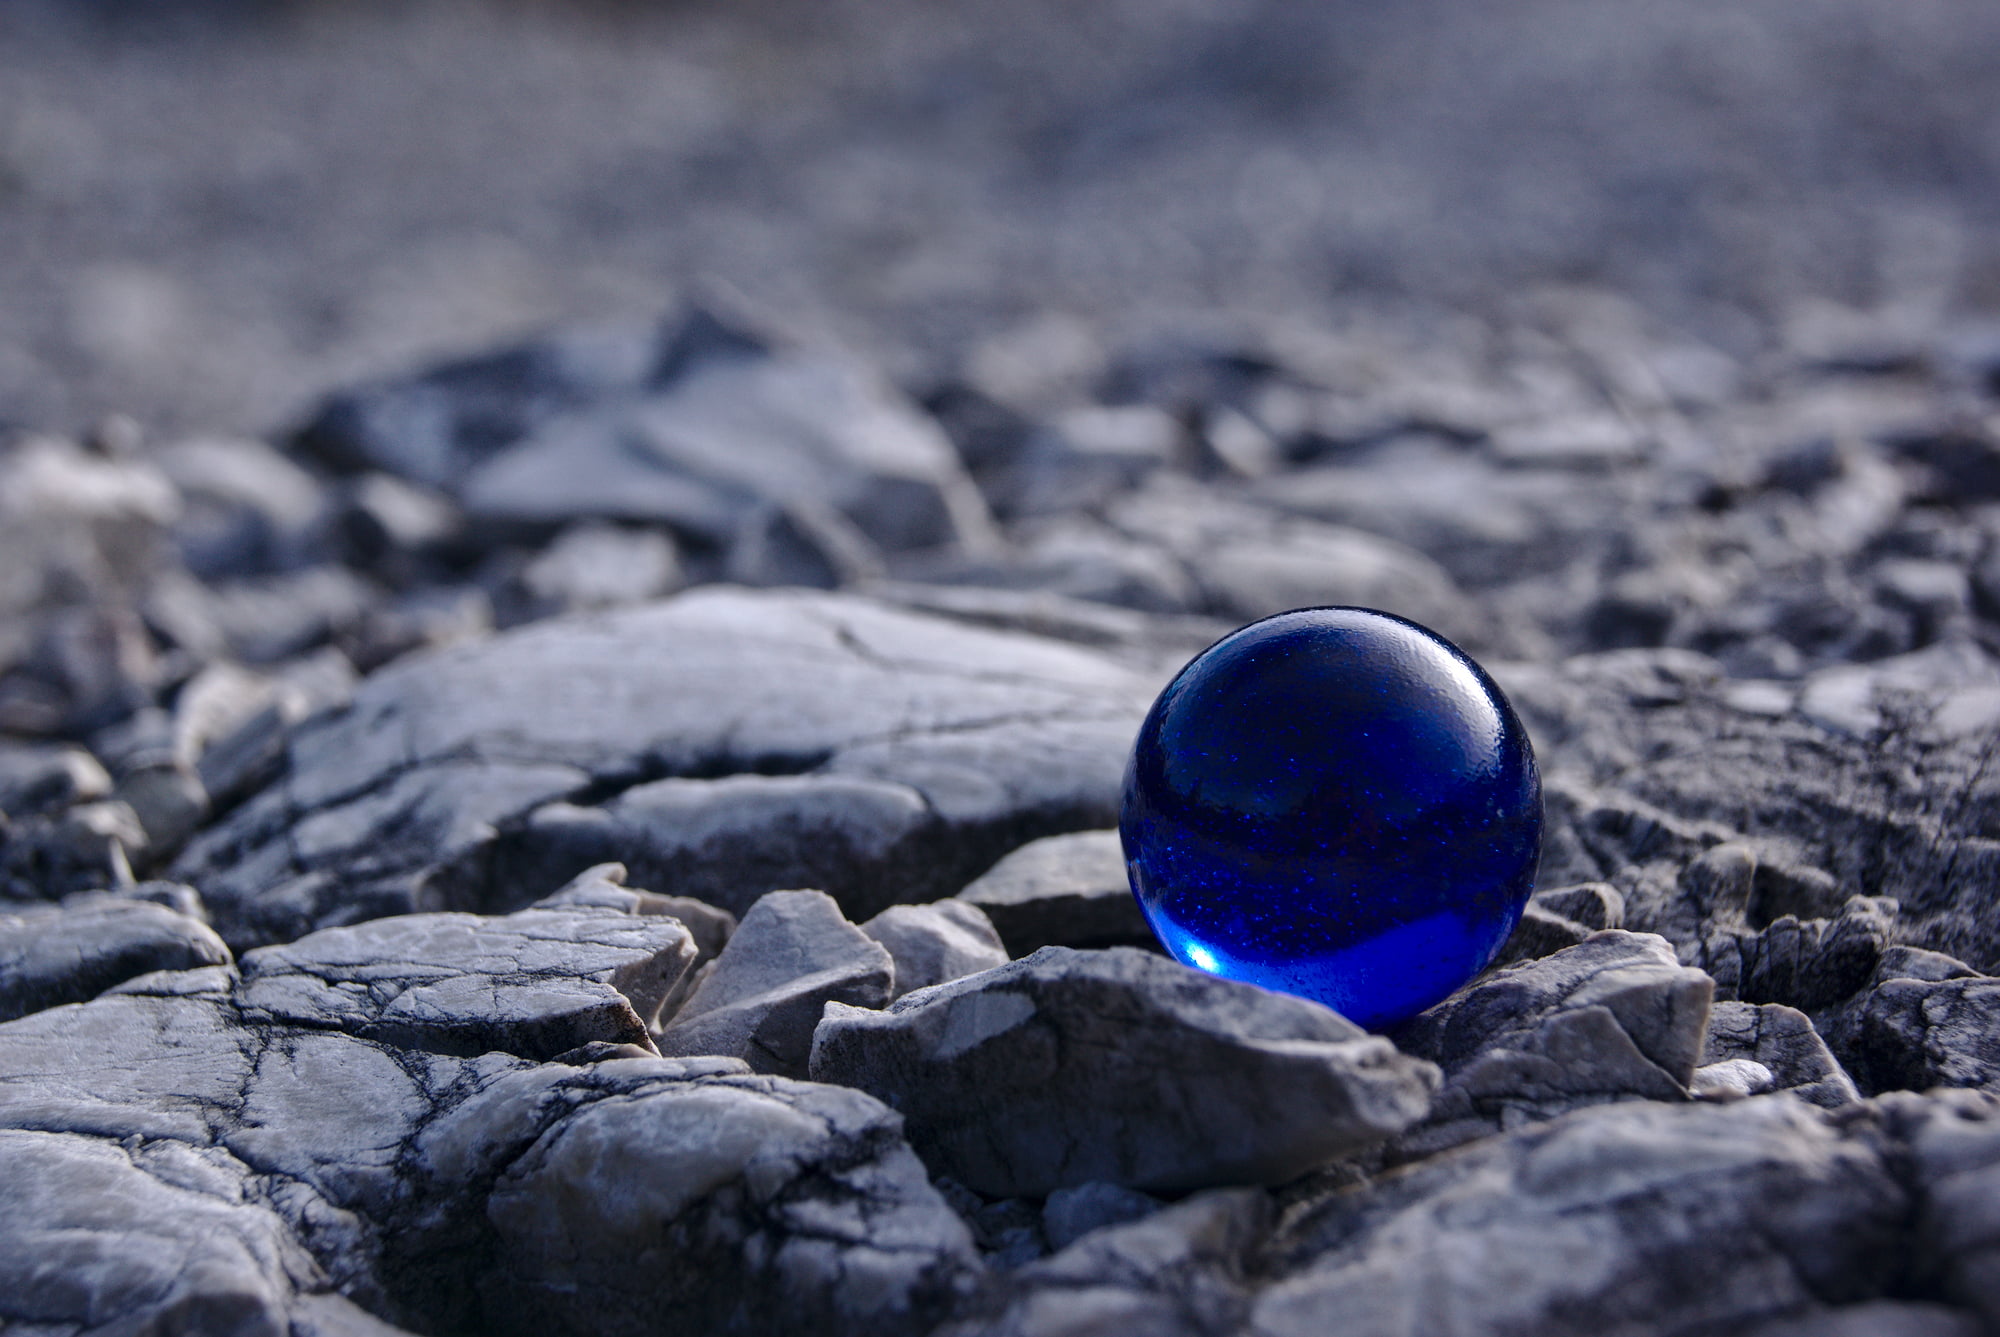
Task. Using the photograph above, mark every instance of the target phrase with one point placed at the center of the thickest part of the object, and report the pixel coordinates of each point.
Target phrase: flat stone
(933, 943)
(1614, 1018)
(1593, 1224)
(1062, 891)
(879, 754)
(55, 955)
(1118, 1066)
(759, 1001)
(535, 983)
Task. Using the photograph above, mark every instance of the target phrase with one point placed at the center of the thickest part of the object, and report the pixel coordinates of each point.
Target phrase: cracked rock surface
(639, 810)
(1118, 1066)
(70, 953)
(791, 957)
(722, 744)
(537, 982)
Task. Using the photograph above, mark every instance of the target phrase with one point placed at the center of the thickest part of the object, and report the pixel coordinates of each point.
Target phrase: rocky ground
(611, 835)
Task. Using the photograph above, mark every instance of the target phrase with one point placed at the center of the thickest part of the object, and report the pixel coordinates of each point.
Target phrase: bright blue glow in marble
(1335, 803)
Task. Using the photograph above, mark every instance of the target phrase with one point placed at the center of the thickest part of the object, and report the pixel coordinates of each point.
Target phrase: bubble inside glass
(1335, 803)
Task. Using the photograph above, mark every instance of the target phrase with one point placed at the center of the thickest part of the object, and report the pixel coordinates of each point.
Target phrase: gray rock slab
(1953, 1142)
(535, 983)
(1783, 1041)
(38, 778)
(935, 943)
(1062, 891)
(211, 1164)
(1595, 1223)
(54, 955)
(697, 424)
(1250, 561)
(1647, 768)
(633, 1194)
(1613, 1018)
(806, 740)
(1913, 1034)
(1121, 1067)
(1179, 1272)
(100, 1237)
(761, 998)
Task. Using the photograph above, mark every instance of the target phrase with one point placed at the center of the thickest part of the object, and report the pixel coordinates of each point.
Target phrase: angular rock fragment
(1594, 1224)
(604, 887)
(54, 955)
(153, 1237)
(448, 1194)
(1614, 1018)
(1595, 905)
(632, 1195)
(35, 779)
(1782, 1040)
(760, 999)
(1810, 964)
(807, 740)
(1911, 1034)
(1123, 1067)
(1953, 1142)
(1540, 933)
(536, 983)
(1730, 1079)
(1179, 1272)
(937, 942)
(245, 507)
(90, 847)
(695, 424)
(1062, 891)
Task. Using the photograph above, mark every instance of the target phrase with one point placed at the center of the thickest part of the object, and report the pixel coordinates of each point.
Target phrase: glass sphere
(1335, 803)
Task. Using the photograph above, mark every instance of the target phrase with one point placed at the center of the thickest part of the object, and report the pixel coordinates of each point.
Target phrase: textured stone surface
(536, 983)
(1062, 891)
(1911, 1035)
(1119, 1066)
(491, 1192)
(698, 424)
(870, 752)
(1740, 576)
(1782, 1040)
(1613, 1018)
(934, 943)
(54, 955)
(1634, 1200)
(759, 1000)
(1177, 1272)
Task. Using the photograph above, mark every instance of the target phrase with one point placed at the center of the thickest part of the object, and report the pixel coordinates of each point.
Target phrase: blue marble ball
(1335, 803)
